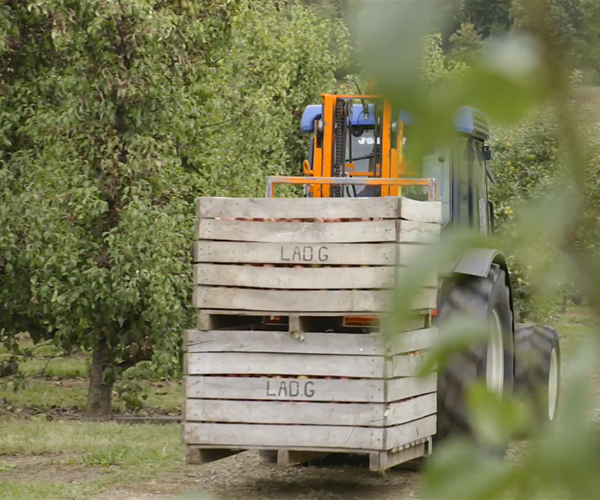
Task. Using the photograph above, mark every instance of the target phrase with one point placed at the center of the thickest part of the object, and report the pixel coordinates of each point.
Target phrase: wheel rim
(553, 384)
(494, 375)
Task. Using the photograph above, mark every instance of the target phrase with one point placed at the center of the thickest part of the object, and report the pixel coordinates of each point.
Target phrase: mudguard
(477, 262)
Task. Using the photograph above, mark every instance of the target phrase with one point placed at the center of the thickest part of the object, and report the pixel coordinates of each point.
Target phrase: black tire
(534, 345)
(472, 296)
(268, 456)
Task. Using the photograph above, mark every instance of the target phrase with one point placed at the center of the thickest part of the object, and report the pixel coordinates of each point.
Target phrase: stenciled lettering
(283, 390)
(309, 392)
(304, 253)
(287, 389)
(323, 255)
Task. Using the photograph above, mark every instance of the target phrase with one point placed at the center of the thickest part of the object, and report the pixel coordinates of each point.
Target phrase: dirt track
(244, 476)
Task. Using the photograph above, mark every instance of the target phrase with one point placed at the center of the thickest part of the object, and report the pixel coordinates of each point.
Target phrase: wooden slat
(329, 254)
(383, 460)
(409, 387)
(353, 344)
(253, 388)
(301, 278)
(420, 211)
(217, 363)
(404, 434)
(290, 278)
(413, 409)
(310, 232)
(298, 208)
(303, 413)
(308, 301)
(313, 343)
(416, 340)
(417, 232)
(284, 436)
(403, 365)
(293, 413)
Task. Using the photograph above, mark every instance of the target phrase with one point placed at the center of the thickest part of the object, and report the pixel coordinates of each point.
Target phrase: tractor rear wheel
(537, 371)
(489, 299)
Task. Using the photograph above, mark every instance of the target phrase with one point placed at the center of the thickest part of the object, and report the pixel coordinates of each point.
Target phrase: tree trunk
(99, 399)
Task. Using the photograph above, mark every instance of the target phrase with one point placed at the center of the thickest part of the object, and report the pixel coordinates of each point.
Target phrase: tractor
(357, 148)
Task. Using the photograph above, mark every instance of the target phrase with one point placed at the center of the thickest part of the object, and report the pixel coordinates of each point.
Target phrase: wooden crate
(308, 383)
(289, 264)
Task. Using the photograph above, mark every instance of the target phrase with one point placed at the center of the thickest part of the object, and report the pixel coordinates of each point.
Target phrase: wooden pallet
(280, 358)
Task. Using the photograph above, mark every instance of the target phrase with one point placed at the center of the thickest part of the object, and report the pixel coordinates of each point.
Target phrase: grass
(73, 460)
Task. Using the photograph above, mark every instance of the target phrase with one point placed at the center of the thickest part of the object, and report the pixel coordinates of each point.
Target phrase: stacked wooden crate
(274, 364)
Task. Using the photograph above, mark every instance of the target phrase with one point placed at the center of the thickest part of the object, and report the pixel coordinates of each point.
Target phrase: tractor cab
(362, 138)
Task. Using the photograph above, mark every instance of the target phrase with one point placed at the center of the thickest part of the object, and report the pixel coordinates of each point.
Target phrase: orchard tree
(489, 17)
(465, 44)
(116, 115)
(577, 24)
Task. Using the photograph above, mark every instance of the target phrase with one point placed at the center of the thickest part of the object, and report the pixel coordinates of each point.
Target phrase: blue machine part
(468, 120)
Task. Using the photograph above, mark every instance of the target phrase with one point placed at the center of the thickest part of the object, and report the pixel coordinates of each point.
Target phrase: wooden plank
(411, 409)
(315, 365)
(404, 434)
(409, 387)
(353, 344)
(409, 231)
(404, 365)
(358, 254)
(416, 340)
(307, 301)
(298, 208)
(284, 436)
(303, 413)
(288, 253)
(310, 232)
(383, 460)
(300, 278)
(290, 278)
(390, 324)
(200, 456)
(253, 388)
(295, 413)
(420, 211)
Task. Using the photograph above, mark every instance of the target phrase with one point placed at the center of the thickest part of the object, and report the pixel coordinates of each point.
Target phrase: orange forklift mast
(364, 122)
(355, 150)
(343, 128)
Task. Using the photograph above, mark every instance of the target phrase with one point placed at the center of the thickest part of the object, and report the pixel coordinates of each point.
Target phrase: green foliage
(436, 68)
(525, 165)
(115, 117)
(465, 43)
(528, 164)
(487, 17)
(132, 394)
(576, 26)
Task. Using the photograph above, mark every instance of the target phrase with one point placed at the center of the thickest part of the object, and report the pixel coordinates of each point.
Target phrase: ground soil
(245, 476)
